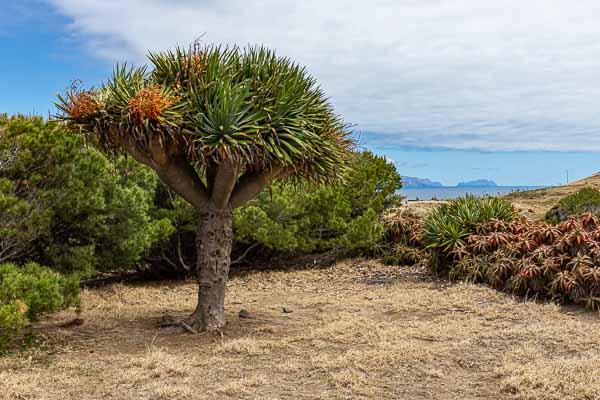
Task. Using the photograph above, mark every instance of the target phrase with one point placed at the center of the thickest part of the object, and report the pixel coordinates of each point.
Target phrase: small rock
(286, 310)
(246, 314)
(75, 322)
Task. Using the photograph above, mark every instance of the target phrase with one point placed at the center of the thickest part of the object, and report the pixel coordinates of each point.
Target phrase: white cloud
(505, 74)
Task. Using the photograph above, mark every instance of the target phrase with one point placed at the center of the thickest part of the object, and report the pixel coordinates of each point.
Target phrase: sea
(453, 192)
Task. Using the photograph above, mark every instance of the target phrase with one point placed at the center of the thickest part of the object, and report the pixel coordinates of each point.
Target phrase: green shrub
(12, 322)
(587, 200)
(28, 292)
(447, 226)
(68, 206)
(292, 219)
(21, 222)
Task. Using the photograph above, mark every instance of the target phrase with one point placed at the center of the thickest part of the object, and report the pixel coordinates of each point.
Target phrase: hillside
(412, 182)
(535, 203)
(478, 183)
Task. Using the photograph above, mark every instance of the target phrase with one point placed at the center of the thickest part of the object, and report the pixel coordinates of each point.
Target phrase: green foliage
(216, 105)
(28, 292)
(584, 201)
(362, 233)
(293, 219)
(447, 226)
(68, 206)
(288, 218)
(20, 222)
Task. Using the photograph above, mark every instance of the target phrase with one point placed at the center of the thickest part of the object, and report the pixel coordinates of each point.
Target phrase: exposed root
(199, 324)
(185, 325)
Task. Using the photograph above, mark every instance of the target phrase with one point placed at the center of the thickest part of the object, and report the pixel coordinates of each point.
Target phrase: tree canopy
(221, 111)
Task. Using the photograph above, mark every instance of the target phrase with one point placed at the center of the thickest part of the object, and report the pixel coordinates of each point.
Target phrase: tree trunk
(213, 243)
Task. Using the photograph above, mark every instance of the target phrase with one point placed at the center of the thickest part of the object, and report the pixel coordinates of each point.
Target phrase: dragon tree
(217, 124)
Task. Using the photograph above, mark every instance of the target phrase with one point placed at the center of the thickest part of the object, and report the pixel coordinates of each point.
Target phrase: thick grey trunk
(213, 243)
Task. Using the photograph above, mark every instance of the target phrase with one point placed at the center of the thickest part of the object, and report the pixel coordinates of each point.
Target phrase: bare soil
(357, 330)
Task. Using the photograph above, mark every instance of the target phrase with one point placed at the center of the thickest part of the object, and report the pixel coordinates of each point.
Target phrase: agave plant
(525, 257)
(478, 244)
(447, 227)
(403, 226)
(549, 234)
(589, 221)
(492, 225)
(502, 267)
(563, 284)
(570, 224)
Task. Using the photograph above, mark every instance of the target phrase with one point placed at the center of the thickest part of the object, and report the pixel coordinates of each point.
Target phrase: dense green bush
(307, 219)
(27, 292)
(447, 226)
(289, 219)
(21, 222)
(587, 200)
(69, 207)
(66, 205)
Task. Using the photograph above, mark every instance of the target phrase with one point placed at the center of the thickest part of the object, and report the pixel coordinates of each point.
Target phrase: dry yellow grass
(535, 203)
(357, 330)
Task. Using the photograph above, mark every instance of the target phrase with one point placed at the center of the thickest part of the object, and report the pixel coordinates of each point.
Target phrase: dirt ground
(358, 330)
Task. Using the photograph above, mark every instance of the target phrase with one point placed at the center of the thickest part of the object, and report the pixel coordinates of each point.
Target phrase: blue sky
(40, 57)
(524, 168)
(450, 90)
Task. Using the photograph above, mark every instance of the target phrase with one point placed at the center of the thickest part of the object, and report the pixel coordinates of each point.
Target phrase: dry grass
(357, 330)
(535, 203)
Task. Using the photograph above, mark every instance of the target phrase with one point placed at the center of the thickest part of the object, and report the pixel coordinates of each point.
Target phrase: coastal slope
(535, 203)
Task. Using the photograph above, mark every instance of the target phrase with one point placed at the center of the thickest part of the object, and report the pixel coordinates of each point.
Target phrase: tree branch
(177, 173)
(211, 174)
(248, 250)
(250, 185)
(223, 184)
(183, 179)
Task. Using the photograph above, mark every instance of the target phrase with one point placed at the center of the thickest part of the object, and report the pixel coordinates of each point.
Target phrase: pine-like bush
(587, 200)
(27, 292)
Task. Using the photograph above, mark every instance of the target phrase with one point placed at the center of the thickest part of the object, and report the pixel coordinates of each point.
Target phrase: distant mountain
(411, 182)
(478, 183)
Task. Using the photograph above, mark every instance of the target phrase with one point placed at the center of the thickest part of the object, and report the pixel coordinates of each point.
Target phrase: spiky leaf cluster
(559, 262)
(533, 258)
(213, 104)
(447, 226)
